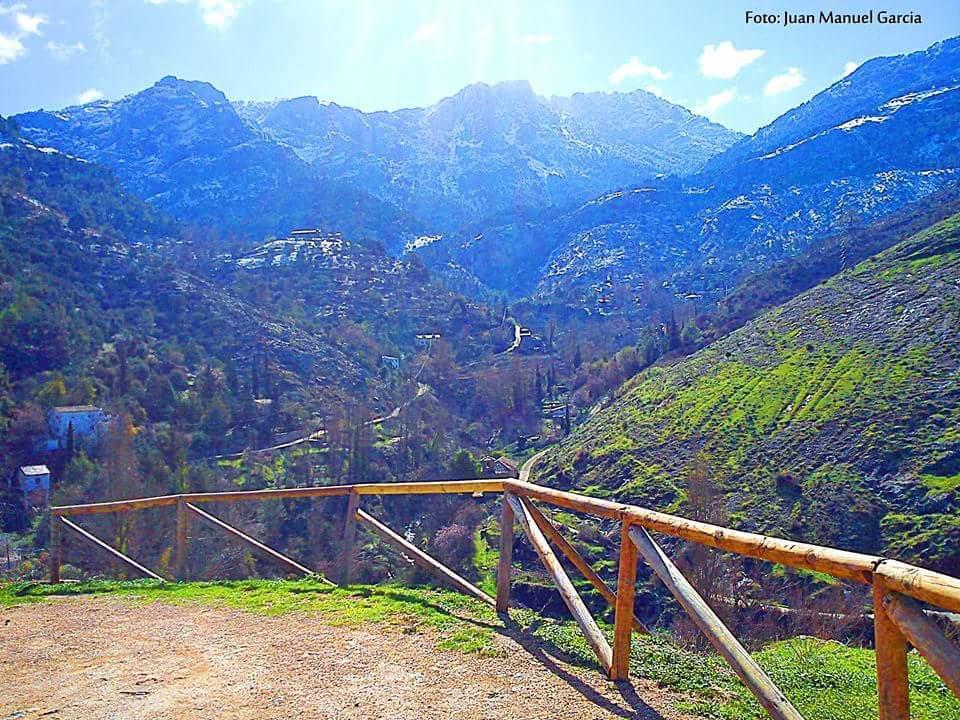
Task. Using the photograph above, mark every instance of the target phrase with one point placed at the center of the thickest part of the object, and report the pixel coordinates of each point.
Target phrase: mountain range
(261, 168)
(883, 136)
(532, 195)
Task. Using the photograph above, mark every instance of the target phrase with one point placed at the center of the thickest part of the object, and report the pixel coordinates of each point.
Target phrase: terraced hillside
(834, 418)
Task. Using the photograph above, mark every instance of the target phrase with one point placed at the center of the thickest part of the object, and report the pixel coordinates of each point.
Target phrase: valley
(603, 293)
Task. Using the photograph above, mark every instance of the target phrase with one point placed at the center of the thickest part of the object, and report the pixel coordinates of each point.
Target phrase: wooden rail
(899, 620)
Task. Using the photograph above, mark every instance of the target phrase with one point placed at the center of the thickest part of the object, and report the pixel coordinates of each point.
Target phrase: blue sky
(375, 54)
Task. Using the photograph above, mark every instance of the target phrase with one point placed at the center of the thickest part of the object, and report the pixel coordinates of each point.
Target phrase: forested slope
(832, 418)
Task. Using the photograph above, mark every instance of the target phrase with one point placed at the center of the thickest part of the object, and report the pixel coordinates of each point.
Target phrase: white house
(87, 421)
(35, 485)
(425, 339)
(390, 361)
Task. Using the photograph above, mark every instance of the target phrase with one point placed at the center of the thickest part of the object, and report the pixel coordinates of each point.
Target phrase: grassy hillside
(832, 418)
(826, 680)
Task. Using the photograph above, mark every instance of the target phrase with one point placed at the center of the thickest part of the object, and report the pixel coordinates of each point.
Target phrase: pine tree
(71, 444)
(539, 387)
(673, 332)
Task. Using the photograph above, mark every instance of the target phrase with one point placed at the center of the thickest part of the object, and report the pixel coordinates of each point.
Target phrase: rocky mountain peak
(203, 91)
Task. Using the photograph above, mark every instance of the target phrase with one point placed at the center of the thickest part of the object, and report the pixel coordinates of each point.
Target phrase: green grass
(941, 483)
(826, 681)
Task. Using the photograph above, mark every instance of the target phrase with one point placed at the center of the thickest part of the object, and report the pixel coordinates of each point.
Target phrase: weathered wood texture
(411, 488)
(267, 552)
(839, 563)
(578, 561)
(115, 554)
(623, 617)
(116, 506)
(920, 583)
(181, 545)
(568, 593)
(926, 637)
(445, 487)
(746, 668)
(505, 563)
(421, 558)
(891, 650)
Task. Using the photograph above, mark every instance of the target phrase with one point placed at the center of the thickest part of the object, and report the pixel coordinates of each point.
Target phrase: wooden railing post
(55, 548)
(291, 566)
(723, 641)
(891, 649)
(923, 633)
(623, 618)
(421, 559)
(505, 564)
(568, 593)
(349, 532)
(182, 525)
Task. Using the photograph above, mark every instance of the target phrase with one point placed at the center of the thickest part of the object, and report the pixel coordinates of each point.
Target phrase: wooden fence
(899, 620)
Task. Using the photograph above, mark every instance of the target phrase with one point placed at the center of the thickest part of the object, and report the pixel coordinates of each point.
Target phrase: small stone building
(34, 481)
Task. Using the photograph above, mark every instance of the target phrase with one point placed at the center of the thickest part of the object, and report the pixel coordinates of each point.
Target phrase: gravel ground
(107, 658)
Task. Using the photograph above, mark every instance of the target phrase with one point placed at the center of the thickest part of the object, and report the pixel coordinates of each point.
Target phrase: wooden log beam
(920, 583)
(839, 563)
(439, 487)
(926, 637)
(116, 554)
(275, 494)
(116, 506)
(421, 558)
(578, 561)
(568, 593)
(623, 618)
(505, 563)
(746, 668)
(265, 551)
(570, 501)
(891, 650)
(181, 546)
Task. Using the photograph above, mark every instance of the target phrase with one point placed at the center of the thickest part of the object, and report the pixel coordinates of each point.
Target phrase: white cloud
(536, 39)
(10, 48)
(11, 43)
(426, 32)
(712, 104)
(101, 25)
(30, 24)
(215, 13)
(785, 82)
(63, 52)
(724, 61)
(88, 96)
(218, 13)
(849, 67)
(635, 68)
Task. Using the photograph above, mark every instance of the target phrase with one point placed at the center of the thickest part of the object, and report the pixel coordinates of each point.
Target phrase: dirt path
(106, 658)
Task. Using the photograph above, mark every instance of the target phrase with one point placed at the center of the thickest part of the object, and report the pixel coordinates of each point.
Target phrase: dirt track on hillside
(104, 658)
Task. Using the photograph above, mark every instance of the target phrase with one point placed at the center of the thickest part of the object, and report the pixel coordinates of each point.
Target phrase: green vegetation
(809, 415)
(826, 680)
